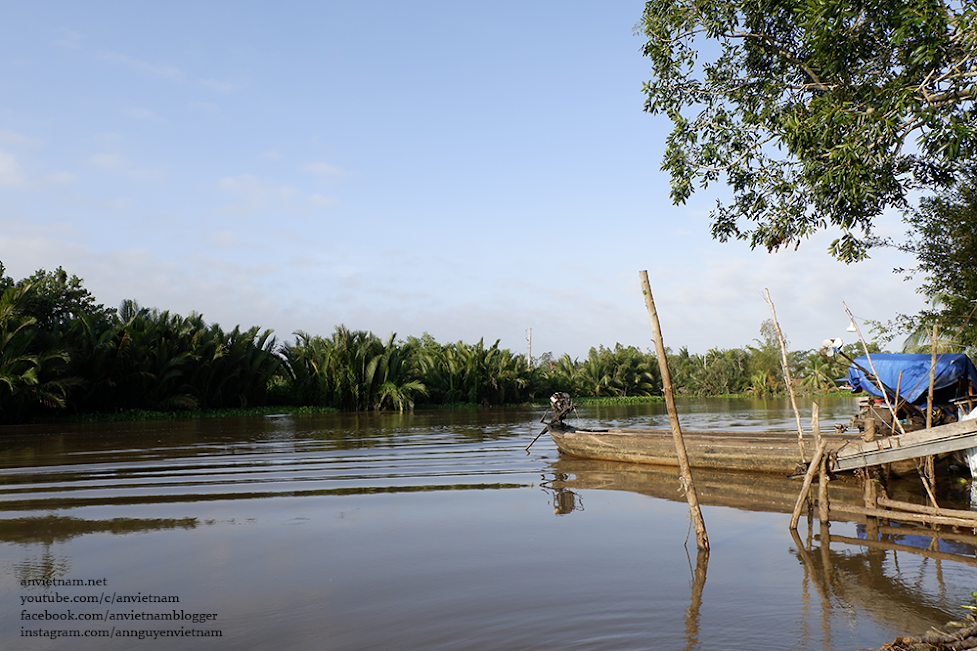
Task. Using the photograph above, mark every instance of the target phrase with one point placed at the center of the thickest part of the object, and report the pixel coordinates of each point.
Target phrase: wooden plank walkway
(921, 443)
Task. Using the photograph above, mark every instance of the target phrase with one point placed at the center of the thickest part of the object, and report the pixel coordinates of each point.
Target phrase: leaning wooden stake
(787, 379)
(875, 374)
(702, 540)
(808, 478)
(929, 465)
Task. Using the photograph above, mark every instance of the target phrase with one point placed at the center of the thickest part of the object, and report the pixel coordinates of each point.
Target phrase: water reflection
(442, 528)
(50, 529)
(698, 585)
(871, 578)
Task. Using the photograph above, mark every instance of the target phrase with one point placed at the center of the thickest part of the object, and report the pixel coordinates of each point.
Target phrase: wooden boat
(775, 452)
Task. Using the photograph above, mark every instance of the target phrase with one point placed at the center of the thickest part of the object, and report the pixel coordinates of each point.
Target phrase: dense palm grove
(61, 352)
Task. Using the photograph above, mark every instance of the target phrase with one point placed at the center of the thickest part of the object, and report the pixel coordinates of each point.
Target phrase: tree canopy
(818, 114)
(943, 239)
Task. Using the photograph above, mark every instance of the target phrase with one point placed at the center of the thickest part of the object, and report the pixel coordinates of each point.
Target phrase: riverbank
(193, 414)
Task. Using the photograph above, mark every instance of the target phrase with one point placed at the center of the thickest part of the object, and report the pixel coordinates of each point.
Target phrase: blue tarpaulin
(915, 369)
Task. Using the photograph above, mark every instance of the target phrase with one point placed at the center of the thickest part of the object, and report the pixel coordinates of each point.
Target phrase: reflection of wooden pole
(889, 514)
(698, 583)
(787, 379)
(702, 540)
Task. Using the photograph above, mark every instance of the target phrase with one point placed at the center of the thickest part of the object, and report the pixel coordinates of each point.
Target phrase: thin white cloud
(254, 194)
(221, 86)
(118, 164)
(140, 113)
(57, 178)
(11, 173)
(224, 239)
(102, 205)
(14, 139)
(253, 186)
(319, 201)
(166, 71)
(205, 107)
(323, 169)
(70, 39)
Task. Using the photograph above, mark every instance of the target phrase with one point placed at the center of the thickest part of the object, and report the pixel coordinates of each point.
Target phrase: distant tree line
(62, 352)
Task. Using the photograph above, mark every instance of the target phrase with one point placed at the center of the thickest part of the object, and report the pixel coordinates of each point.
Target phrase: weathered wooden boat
(780, 452)
(773, 452)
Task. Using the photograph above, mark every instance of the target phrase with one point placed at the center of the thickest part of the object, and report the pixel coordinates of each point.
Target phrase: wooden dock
(901, 447)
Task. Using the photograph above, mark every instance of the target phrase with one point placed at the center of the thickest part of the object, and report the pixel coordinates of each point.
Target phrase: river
(427, 531)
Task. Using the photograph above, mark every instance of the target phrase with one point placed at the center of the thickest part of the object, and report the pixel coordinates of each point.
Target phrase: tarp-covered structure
(955, 374)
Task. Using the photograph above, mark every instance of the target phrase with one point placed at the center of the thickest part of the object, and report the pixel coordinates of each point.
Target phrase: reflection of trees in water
(48, 530)
(44, 567)
(54, 529)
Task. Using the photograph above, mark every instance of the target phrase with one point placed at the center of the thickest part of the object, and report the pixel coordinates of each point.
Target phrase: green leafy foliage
(943, 239)
(354, 370)
(140, 362)
(815, 114)
(29, 376)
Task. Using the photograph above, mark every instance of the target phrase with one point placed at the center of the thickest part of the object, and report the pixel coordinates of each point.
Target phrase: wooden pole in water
(702, 540)
(816, 422)
(808, 478)
(787, 379)
(929, 395)
(929, 465)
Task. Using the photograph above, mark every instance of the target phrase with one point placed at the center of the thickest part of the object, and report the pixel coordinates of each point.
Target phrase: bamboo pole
(931, 510)
(787, 379)
(702, 539)
(885, 394)
(904, 516)
(929, 395)
(808, 478)
(816, 422)
(929, 465)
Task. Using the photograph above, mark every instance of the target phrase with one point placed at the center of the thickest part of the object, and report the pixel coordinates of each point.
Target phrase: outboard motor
(561, 404)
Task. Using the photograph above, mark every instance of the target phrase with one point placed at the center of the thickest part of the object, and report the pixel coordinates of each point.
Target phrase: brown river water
(433, 530)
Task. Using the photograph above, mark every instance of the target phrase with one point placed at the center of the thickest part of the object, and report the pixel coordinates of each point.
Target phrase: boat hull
(774, 452)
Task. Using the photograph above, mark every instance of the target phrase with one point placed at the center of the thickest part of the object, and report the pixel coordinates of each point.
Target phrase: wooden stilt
(869, 434)
(702, 539)
(823, 490)
(808, 478)
(929, 394)
(816, 422)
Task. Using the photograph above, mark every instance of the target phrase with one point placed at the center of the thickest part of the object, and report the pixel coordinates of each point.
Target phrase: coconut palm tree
(28, 377)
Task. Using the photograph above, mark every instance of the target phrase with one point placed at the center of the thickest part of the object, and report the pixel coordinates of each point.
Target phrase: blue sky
(470, 170)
